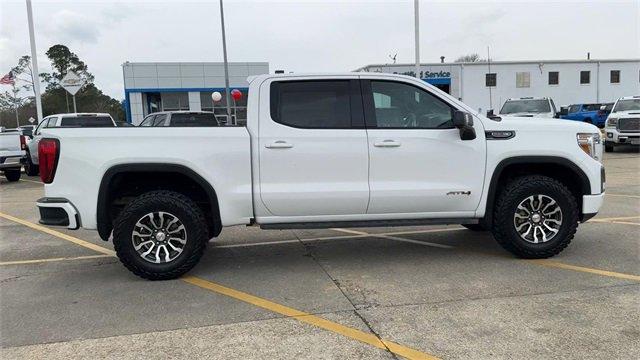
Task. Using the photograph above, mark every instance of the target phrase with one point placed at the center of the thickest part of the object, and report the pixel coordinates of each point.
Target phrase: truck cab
(623, 124)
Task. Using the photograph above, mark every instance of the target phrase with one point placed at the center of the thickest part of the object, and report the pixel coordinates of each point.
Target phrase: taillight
(23, 143)
(48, 153)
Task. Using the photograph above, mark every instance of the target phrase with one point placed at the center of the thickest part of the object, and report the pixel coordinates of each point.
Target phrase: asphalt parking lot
(415, 292)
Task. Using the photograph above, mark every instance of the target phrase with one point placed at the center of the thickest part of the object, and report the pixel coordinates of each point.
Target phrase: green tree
(470, 58)
(63, 61)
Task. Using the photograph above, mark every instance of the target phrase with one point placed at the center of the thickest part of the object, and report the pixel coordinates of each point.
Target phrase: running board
(367, 223)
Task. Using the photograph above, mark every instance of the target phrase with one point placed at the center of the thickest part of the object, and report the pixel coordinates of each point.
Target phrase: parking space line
(345, 237)
(60, 235)
(615, 218)
(316, 321)
(395, 238)
(559, 265)
(38, 261)
(623, 195)
(35, 182)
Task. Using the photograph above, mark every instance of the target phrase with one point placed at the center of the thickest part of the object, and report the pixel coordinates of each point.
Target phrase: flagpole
(34, 62)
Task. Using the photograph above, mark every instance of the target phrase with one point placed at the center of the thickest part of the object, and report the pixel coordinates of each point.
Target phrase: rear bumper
(591, 205)
(10, 162)
(58, 212)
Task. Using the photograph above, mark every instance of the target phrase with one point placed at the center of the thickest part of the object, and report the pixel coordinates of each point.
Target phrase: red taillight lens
(48, 152)
(23, 143)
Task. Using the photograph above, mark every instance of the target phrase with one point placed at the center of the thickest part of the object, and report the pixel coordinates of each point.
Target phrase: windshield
(627, 105)
(525, 106)
(194, 120)
(87, 121)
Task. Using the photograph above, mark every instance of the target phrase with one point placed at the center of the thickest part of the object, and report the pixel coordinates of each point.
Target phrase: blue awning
(438, 81)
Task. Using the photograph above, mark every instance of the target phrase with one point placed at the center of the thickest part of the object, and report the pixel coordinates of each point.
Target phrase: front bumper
(58, 212)
(612, 135)
(590, 205)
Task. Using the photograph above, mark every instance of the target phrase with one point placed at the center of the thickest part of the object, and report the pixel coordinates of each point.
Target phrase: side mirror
(603, 107)
(563, 111)
(464, 122)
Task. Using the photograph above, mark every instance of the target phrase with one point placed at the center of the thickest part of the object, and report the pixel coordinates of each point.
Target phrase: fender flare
(104, 223)
(585, 184)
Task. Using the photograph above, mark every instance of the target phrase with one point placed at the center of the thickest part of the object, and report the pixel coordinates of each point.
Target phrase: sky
(315, 36)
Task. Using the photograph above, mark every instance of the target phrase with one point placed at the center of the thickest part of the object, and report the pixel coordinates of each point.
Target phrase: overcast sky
(315, 36)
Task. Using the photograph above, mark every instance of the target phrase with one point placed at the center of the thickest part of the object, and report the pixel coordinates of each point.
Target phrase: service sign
(72, 82)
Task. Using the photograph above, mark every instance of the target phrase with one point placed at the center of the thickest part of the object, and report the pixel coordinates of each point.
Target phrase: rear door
(313, 148)
(418, 163)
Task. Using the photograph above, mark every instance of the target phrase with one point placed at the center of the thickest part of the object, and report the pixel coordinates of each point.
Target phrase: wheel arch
(559, 168)
(109, 189)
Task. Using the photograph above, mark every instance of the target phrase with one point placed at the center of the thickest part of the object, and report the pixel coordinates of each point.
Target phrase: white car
(529, 107)
(324, 151)
(12, 145)
(74, 120)
(623, 124)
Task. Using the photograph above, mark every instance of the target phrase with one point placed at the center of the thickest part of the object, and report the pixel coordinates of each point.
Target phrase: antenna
(393, 57)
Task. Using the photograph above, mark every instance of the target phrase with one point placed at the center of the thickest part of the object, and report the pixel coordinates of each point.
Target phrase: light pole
(416, 11)
(226, 66)
(34, 62)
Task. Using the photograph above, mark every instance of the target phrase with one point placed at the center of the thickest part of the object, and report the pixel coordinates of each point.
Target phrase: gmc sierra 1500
(354, 149)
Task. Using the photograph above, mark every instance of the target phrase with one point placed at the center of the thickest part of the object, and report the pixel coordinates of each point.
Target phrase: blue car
(590, 113)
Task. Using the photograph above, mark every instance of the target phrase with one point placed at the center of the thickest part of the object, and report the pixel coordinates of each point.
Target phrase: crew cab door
(418, 163)
(313, 147)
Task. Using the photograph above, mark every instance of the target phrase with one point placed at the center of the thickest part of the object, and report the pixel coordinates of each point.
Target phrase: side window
(403, 106)
(159, 120)
(51, 123)
(148, 121)
(41, 126)
(574, 109)
(312, 104)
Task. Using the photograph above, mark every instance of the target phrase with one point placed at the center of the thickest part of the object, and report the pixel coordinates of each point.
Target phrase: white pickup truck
(318, 151)
(12, 145)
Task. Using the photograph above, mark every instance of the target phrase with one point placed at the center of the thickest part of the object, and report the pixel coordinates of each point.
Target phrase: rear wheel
(535, 217)
(160, 235)
(12, 174)
(30, 168)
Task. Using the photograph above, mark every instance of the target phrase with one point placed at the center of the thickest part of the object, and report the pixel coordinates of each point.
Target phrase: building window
(523, 79)
(220, 108)
(175, 101)
(554, 78)
(615, 76)
(490, 80)
(585, 77)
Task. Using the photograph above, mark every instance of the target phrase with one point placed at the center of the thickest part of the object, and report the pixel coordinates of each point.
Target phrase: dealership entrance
(442, 83)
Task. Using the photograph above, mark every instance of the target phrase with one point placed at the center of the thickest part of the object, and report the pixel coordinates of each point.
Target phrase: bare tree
(470, 58)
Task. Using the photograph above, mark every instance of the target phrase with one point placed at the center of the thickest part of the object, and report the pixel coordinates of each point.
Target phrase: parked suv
(623, 123)
(324, 151)
(181, 119)
(75, 120)
(529, 107)
(595, 114)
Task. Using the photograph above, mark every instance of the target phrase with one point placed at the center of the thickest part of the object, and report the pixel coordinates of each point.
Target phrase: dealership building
(484, 85)
(168, 86)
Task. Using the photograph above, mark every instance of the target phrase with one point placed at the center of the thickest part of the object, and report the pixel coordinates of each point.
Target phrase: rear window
(311, 104)
(87, 121)
(193, 120)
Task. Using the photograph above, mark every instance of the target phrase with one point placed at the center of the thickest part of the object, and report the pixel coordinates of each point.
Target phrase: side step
(368, 223)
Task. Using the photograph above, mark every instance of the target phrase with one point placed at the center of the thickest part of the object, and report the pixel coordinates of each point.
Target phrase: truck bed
(220, 155)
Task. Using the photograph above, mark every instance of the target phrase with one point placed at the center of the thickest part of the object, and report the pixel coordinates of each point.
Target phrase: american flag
(8, 79)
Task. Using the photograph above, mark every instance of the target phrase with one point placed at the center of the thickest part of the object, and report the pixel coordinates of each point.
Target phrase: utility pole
(226, 66)
(416, 11)
(34, 62)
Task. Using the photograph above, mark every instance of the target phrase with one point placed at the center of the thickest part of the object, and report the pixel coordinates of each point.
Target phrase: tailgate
(10, 144)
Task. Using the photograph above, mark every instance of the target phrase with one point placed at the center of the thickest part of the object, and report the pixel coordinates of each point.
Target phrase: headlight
(612, 121)
(588, 143)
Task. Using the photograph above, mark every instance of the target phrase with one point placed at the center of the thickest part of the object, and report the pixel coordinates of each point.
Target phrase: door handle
(386, 143)
(280, 144)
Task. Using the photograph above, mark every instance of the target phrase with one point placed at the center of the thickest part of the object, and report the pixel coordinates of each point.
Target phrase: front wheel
(535, 217)
(160, 235)
(608, 147)
(30, 168)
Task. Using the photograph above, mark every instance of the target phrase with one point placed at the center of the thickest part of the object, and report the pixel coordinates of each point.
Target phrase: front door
(313, 148)
(418, 163)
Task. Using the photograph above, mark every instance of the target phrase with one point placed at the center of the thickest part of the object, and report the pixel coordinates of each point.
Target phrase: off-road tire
(12, 174)
(168, 201)
(608, 147)
(475, 227)
(512, 194)
(30, 168)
